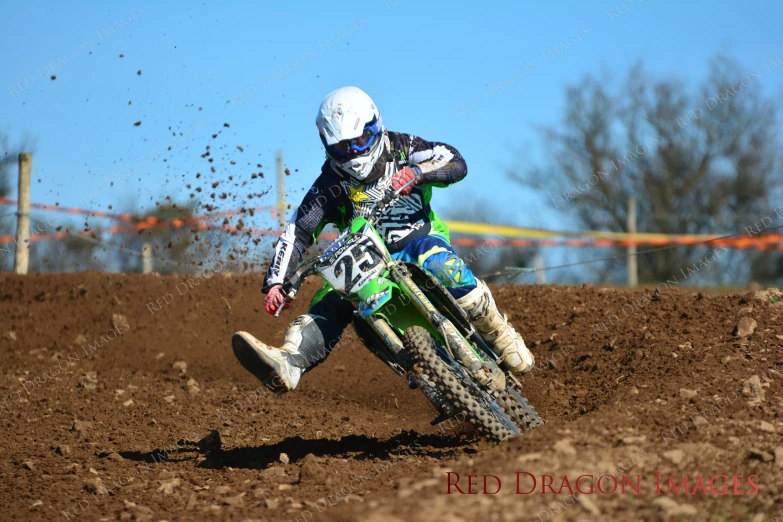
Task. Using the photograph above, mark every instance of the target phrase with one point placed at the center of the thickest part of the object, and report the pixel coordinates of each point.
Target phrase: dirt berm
(109, 382)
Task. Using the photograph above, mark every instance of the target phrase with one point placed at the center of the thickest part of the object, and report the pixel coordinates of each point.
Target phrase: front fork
(485, 372)
(387, 346)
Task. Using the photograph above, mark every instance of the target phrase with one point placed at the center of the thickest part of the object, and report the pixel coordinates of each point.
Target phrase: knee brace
(452, 272)
(315, 337)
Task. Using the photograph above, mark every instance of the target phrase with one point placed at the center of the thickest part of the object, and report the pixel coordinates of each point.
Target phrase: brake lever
(289, 297)
(399, 191)
(282, 305)
(390, 196)
(290, 294)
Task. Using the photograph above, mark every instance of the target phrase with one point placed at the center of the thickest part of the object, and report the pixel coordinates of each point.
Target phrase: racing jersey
(337, 198)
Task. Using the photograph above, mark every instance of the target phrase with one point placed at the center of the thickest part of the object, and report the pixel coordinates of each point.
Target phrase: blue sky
(420, 61)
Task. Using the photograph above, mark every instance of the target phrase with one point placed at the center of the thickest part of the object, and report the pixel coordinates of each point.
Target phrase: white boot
(272, 366)
(281, 368)
(494, 328)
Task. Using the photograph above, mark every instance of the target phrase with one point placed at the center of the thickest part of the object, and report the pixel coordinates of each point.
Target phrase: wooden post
(280, 191)
(22, 254)
(146, 258)
(633, 265)
(538, 264)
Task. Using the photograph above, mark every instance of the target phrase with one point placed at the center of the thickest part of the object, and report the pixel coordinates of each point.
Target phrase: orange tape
(598, 239)
(129, 217)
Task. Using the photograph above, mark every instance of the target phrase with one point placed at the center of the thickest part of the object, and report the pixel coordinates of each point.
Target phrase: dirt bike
(407, 318)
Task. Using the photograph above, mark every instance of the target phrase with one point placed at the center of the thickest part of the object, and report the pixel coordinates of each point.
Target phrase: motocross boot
(281, 368)
(494, 328)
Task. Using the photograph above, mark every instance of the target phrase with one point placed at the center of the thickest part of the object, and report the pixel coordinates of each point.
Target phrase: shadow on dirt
(356, 447)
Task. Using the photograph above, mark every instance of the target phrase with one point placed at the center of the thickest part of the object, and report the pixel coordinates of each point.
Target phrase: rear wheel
(456, 387)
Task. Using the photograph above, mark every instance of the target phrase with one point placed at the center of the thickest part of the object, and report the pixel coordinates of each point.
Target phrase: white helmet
(351, 129)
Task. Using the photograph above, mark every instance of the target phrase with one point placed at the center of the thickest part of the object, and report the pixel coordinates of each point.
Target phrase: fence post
(633, 264)
(22, 254)
(538, 264)
(280, 191)
(146, 258)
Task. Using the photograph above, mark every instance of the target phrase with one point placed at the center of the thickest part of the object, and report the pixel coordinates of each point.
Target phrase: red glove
(406, 175)
(274, 297)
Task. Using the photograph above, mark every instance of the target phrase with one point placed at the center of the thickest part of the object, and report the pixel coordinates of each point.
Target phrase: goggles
(356, 146)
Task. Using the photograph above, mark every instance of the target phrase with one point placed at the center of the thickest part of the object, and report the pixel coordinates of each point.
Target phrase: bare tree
(89, 247)
(698, 161)
(71, 254)
(173, 249)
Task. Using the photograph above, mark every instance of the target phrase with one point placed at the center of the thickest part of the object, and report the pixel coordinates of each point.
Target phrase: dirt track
(611, 398)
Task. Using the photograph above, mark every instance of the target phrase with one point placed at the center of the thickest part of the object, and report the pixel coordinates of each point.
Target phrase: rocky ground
(121, 400)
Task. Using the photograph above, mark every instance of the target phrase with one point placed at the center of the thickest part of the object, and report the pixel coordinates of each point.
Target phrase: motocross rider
(362, 160)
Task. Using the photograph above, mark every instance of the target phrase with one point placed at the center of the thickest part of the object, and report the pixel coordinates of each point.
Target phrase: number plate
(354, 267)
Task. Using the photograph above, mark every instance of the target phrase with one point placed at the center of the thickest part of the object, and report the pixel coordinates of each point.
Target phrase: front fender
(375, 294)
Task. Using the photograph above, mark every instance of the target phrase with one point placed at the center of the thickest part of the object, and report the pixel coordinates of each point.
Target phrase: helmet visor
(356, 146)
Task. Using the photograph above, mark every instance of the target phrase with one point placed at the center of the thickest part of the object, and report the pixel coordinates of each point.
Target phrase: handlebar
(291, 287)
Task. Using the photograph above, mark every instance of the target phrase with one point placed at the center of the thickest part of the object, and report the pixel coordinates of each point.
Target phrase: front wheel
(455, 385)
(520, 410)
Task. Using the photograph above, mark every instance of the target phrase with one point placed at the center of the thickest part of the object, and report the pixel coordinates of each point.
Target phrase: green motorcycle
(408, 319)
